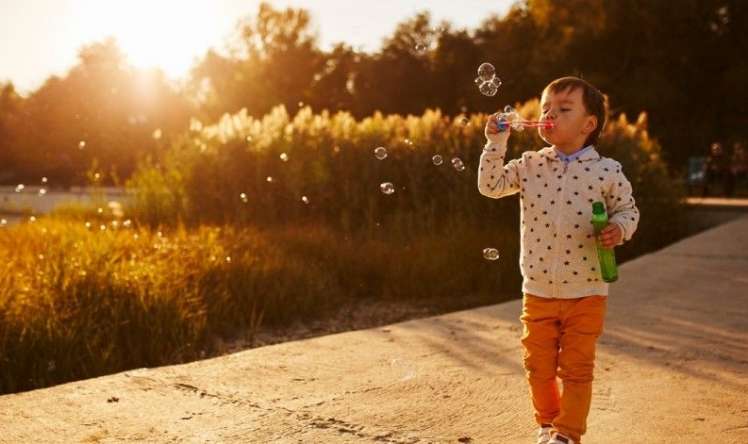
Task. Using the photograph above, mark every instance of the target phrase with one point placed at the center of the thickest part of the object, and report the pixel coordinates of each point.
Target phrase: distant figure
(738, 169)
(716, 167)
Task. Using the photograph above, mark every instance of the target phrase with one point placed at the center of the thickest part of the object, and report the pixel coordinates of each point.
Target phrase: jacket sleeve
(621, 205)
(496, 179)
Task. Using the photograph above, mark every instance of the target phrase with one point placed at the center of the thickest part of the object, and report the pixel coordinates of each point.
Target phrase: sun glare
(169, 35)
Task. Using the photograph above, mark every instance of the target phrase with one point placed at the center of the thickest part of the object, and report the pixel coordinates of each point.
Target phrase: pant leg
(582, 322)
(540, 339)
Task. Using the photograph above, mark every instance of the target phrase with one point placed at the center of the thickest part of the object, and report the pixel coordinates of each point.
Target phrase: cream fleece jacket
(558, 254)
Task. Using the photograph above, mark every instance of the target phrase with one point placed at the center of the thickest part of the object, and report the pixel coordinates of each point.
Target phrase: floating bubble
(437, 159)
(81, 144)
(243, 197)
(20, 187)
(116, 208)
(284, 157)
(387, 187)
(157, 133)
(486, 71)
(269, 178)
(508, 109)
(88, 224)
(305, 199)
(404, 368)
(99, 210)
(228, 258)
(3, 222)
(380, 153)
(458, 164)
(42, 191)
(491, 254)
(488, 89)
(44, 180)
(32, 219)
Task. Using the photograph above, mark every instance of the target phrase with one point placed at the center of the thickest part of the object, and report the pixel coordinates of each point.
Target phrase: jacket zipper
(555, 228)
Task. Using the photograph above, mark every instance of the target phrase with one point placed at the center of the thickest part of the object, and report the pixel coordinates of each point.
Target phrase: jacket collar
(550, 153)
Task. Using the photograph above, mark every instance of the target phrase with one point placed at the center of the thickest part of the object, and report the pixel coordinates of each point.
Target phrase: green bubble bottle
(607, 257)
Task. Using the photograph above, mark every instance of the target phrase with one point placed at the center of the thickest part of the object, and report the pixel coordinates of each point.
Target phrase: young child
(564, 296)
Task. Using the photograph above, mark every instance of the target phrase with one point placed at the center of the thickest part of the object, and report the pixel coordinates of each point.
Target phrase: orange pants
(559, 339)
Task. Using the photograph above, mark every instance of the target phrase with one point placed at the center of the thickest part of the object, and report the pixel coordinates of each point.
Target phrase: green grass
(78, 301)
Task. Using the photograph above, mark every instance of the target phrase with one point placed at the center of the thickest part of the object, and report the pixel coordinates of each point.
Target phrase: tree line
(683, 63)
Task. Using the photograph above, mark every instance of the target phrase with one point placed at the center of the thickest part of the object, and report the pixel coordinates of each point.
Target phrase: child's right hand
(496, 133)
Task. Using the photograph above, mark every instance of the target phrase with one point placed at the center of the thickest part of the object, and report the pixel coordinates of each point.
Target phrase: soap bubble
(305, 199)
(380, 153)
(403, 368)
(457, 164)
(269, 178)
(284, 157)
(486, 71)
(491, 254)
(488, 88)
(20, 187)
(387, 187)
(81, 144)
(44, 180)
(243, 197)
(508, 109)
(437, 159)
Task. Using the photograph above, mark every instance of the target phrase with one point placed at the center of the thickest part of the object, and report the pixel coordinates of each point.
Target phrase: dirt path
(672, 367)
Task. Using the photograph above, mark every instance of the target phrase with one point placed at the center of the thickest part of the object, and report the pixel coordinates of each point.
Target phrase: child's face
(572, 123)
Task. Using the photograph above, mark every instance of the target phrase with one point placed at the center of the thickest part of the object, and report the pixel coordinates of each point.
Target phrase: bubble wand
(510, 117)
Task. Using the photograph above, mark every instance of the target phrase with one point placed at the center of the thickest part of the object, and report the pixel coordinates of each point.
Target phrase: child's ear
(590, 124)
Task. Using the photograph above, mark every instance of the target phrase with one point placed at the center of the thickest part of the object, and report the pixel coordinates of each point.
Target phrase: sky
(39, 38)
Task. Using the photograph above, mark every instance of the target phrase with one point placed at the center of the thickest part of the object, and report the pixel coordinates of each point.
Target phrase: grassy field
(211, 248)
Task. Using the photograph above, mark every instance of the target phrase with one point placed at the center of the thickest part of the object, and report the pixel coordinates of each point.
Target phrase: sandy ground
(672, 367)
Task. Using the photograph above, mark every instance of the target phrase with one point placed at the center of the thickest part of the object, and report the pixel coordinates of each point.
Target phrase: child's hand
(610, 236)
(495, 132)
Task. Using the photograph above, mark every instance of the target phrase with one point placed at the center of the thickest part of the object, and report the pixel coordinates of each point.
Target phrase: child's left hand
(611, 235)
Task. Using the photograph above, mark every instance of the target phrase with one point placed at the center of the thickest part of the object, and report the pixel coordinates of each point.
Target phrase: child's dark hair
(595, 102)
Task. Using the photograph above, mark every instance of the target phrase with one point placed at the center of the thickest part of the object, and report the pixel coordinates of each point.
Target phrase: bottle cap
(598, 208)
